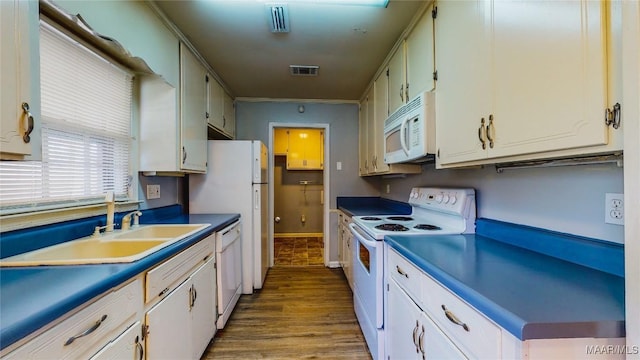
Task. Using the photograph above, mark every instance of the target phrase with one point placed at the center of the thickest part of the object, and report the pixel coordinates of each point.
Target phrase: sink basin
(159, 231)
(118, 247)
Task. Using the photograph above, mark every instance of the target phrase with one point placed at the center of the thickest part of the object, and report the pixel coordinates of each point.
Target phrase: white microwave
(409, 133)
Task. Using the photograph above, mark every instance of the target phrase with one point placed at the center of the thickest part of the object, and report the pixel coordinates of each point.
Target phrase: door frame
(326, 175)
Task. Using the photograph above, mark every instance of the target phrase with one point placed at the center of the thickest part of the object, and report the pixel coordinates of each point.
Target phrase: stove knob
(439, 198)
(453, 199)
(445, 198)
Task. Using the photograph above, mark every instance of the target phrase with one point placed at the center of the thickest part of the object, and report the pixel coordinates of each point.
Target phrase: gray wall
(170, 191)
(252, 123)
(292, 200)
(567, 199)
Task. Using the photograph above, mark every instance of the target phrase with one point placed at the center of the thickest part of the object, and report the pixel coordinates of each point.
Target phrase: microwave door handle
(403, 137)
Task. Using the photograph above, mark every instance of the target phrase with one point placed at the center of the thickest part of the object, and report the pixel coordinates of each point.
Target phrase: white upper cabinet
(229, 116)
(193, 101)
(215, 103)
(420, 57)
(380, 111)
(411, 66)
(19, 81)
(397, 80)
(173, 129)
(519, 78)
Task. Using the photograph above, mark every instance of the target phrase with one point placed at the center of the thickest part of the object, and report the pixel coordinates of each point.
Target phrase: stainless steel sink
(117, 247)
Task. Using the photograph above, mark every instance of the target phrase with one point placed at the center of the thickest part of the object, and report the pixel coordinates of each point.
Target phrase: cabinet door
(420, 57)
(363, 145)
(397, 80)
(371, 130)
(19, 80)
(550, 76)
(169, 324)
(203, 307)
(381, 112)
(280, 141)
(193, 122)
(436, 344)
(126, 346)
(463, 87)
(306, 149)
(215, 103)
(404, 325)
(229, 118)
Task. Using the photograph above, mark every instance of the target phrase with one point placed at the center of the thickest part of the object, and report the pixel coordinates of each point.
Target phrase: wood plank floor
(300, 313)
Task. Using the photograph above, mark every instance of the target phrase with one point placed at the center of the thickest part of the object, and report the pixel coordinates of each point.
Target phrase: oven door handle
(361, 237)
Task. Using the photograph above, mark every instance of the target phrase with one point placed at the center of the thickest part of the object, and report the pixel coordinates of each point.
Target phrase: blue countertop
(32, 297)
(363, 206)
(530, 294)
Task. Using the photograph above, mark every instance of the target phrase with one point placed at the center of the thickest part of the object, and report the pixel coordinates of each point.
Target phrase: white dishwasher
(229, 273)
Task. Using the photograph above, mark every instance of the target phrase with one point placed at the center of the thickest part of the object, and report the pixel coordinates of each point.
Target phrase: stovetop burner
(371, 218)
(400, 218)
(427, 227)
(392, 227)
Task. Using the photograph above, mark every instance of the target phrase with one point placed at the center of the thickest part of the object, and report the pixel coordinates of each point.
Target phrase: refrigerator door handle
(256, 203)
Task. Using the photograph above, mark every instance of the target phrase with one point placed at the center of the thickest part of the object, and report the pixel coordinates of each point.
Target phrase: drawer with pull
(407, 275)
(165, 277)
(87, 331)
(477, 336)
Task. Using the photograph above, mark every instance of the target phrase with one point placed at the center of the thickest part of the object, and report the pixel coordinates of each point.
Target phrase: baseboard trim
(334, 264)
(297, 235)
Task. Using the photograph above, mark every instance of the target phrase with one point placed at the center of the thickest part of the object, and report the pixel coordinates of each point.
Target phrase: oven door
(367, 275)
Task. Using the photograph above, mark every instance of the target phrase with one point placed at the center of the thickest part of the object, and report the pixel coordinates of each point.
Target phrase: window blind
(86, 104)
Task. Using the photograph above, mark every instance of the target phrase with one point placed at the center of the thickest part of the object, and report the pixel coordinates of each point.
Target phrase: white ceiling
(348, 42)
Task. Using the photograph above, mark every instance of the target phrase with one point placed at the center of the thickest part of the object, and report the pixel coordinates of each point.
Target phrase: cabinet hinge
(434, 12)
(438, 153)
(435, 75)
(387, 287)
(387, 72)
(206, 78)
(144, 331)
(612, 116)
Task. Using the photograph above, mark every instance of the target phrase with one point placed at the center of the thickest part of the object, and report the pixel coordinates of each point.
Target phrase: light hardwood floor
(300, 313)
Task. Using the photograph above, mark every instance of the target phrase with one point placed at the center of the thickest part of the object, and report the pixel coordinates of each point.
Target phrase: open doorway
(298, 189)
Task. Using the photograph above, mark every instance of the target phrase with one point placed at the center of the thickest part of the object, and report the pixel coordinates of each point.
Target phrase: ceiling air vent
(278, 18)
(304, 70)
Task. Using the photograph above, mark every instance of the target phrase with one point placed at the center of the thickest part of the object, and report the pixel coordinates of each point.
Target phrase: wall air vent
(278, 18)
(304, 70)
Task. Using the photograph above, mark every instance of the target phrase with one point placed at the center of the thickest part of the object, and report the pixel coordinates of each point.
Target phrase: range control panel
(449, 200)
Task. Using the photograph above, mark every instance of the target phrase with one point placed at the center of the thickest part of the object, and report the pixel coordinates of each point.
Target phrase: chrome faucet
(111, 208)
(126, 220)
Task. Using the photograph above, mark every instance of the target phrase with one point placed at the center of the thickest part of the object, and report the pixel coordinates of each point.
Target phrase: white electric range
(434, 211)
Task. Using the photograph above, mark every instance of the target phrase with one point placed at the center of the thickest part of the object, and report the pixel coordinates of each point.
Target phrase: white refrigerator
(236, 182)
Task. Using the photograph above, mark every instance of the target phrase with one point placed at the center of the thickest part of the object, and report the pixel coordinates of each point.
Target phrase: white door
(464, 80)
(403, 328)
(170, 326)
(550, 76)
(202, 307)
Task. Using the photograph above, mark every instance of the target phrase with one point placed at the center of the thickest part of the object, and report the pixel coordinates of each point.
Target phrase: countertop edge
(19, 330)
(507, 320)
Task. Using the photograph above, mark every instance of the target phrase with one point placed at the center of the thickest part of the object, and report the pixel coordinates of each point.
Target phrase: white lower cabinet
(346, 239)
(86, 332)
(181, 325)
(410, 332)
(128, 345)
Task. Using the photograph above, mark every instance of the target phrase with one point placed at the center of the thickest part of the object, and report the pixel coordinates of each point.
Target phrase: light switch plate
(153, 192)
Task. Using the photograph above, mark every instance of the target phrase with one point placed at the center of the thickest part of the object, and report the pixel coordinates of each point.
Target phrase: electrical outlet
(153, 192)
(614, 208)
